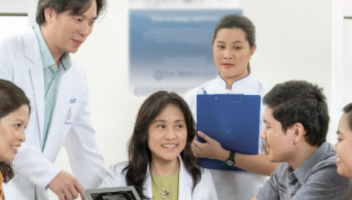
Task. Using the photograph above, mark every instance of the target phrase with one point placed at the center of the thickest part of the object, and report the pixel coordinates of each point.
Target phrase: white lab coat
(21, 63)
(232, 185)
(204, 190)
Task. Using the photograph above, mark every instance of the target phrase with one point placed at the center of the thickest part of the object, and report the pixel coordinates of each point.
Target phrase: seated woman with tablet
(161, 164)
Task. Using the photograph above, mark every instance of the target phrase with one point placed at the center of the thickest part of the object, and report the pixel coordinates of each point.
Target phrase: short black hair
(76, 7)
(348, 110)
(300, 102)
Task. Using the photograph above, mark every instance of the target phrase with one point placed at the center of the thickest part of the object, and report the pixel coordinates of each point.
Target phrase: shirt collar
(66, 61)
(320, 154)
(220, 81)
(47, 58)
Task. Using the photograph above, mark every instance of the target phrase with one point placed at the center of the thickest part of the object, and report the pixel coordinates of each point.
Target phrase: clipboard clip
(204, 92)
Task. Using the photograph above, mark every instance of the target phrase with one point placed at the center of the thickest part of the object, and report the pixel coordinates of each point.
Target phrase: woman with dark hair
(343, 147)
(161, 164)
(234, 44)
(14, 116)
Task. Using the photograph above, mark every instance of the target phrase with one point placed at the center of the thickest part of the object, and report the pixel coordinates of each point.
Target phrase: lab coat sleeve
(207, 178)
(6, 71)
(29, 160)
(87, 163)
(115, 176)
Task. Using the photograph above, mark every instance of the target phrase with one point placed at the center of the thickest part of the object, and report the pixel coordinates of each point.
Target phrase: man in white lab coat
(39, 62)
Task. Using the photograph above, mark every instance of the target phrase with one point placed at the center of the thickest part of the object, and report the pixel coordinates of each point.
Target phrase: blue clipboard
(231, 119)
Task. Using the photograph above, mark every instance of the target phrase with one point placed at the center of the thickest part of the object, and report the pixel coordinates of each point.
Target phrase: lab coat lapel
(148, 185)
(35, 66)
(184, 182)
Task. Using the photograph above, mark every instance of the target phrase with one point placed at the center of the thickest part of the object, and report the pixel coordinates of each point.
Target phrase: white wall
(347, 51)
(13, 6)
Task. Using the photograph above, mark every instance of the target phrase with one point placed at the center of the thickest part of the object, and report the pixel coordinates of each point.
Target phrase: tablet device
(231, 119)
(116, 193)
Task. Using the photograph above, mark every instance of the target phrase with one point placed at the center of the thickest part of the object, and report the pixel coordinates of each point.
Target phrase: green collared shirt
(52, 75)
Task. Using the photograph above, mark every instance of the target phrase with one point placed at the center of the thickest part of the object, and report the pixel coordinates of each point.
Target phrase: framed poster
(171, 46)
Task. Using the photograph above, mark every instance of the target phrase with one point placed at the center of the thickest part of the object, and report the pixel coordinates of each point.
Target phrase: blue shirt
(52, 75)
(316, 178)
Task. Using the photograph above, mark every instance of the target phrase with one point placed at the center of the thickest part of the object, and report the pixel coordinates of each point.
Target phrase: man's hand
(210, 149)
(66, 187)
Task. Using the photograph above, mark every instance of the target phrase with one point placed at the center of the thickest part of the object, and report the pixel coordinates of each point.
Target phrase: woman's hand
(210, 149)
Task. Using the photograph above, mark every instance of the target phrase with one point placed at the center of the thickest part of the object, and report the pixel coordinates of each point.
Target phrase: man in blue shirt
(296, 123)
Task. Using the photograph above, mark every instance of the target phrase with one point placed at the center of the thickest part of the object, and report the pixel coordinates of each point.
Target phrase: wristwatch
(230, 161)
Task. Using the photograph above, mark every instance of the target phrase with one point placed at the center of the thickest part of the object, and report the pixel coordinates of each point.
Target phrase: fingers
(80, 190)
(74, 192)
(60, 195)
(204, 137)
(66, 187)
(67, 194)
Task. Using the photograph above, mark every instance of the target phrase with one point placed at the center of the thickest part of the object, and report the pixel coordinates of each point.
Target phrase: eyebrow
(219, 41)
(161, 120)
(85, 17)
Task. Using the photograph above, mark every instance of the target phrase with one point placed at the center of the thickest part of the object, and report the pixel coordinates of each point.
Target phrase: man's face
(279, 145)
(67, 32)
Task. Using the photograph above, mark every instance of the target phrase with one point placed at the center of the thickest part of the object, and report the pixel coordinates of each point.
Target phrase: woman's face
(343, 148)
(167, 134)
(12, 132)
(232, 52)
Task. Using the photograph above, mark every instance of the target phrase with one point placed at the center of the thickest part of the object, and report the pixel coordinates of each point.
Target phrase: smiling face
(279, 145)
(343, 148)
(167, 134)
(12, 132)
(65, 32)
(232, 52)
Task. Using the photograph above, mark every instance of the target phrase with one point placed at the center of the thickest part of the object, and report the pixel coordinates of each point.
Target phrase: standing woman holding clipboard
(14, 116)
(233, 46)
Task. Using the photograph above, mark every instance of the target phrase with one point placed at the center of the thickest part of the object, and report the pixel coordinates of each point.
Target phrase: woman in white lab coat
(233, 46)
(14, 116)
(161, 164)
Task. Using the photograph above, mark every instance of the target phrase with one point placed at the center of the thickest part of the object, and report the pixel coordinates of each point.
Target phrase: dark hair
(348, 110)
(240, 22)
(76, 7)
(300, 102)
(11, 99)
(138, 152)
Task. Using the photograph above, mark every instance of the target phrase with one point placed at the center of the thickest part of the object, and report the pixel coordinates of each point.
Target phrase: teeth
(169, 145)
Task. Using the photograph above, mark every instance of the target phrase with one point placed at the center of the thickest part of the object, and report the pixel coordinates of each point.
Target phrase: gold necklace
(165, 194)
